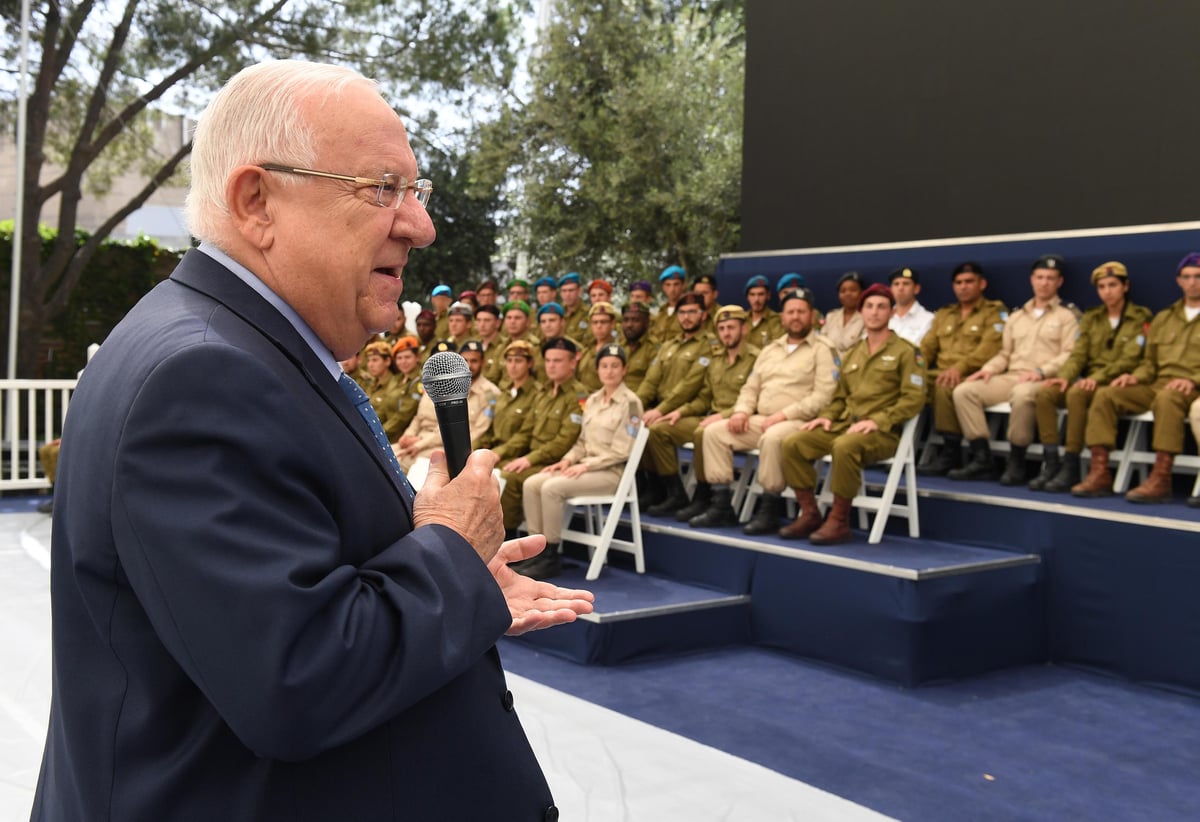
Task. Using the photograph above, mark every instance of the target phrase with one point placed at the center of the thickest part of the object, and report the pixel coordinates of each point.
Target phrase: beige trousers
(970, 398)
(720, 443)
(546, 495)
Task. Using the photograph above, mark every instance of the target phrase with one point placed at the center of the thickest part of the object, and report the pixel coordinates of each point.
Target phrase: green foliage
(117, 276)
(628, 154)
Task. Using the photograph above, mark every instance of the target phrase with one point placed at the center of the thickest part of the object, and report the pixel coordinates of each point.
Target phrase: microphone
(447, 379)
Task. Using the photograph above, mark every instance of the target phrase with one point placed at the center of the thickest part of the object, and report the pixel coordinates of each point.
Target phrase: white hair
(256, 118)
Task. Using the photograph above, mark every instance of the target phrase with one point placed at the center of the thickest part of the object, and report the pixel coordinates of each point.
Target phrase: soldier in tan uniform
(723, 381)
(1111, 337)
(515, 400)
(1164, 382)
(602, 319)
(423, 435)
(639, 348)
(671, 281)
(408, 379)
(844, 326)
(593, 465)
(762, 323)
(1194, 421)
(963, 336)
(550, 429)
(674, 378)
(1037, 340)
(793, 379)
(882, 386)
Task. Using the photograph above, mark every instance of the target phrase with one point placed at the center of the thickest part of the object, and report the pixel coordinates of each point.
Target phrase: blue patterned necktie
(363, 405)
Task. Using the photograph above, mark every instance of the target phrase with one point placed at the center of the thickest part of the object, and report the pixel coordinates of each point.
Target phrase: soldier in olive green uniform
(575, 312)
(882, 386)
(550, 428)
(672, 282)
(406, 356)
(1164, 382)
(440, 298)
(706, 286)
(516, 401)
(639, 348)
(1102, 353)
(602, 318)
(674, 378)
(426, 324)
(963, 336)
(762, 323)
(723, 381)
(487, 331)
(382, 388)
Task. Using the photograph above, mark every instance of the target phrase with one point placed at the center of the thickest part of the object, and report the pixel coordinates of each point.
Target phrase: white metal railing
(31, 414)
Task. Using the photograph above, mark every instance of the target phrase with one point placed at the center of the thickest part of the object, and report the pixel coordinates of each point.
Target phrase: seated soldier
(640, 291)
(550, 428)
(383, 388)
(843, 326)
(408, 380)
(910, 320)
(545, 290)
(635, 338)
(426, 323)
(593, 465)
(516, 398)
(518, 290)
(1164, 382)
(882, 386)
(723, 381)
(793, 378)
(440, 298)
(671, 281)
(762, 324)
(602, 321)
(575, 317)
(1111, 337)
(487, 331)
(458, 319)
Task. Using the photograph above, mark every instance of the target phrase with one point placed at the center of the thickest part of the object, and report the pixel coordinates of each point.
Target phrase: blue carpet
(23, 503)
(1033, 743)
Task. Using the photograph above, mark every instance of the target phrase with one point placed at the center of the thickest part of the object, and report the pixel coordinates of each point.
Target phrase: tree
(100, 66)
(627, 155)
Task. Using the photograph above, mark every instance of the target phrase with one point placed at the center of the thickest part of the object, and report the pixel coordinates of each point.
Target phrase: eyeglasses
(389, 191)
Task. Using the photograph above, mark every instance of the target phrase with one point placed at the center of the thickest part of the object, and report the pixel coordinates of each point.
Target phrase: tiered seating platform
(1000, 577)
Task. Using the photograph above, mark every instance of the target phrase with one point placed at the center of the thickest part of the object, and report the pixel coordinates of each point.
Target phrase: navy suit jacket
(246, 624)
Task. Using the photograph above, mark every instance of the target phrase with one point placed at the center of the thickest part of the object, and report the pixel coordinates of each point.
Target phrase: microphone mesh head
(446, 377)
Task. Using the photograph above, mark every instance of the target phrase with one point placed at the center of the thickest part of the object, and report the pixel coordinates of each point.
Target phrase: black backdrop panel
(881, 120)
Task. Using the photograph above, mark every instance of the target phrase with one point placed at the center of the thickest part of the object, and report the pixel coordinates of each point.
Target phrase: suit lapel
(202, 273)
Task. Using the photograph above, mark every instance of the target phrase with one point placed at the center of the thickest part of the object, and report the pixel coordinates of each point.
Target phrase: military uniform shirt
(676, 373)
(722, 384)
(797, 383)
(551, 426)
(1103, 353)
(1031, 342)
(887, 387)
(1172, 347)
(965, 343)
(608, 430)
(640, 355)
(766, 329)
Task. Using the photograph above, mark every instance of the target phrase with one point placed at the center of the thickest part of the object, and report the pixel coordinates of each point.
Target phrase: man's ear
(248, 196)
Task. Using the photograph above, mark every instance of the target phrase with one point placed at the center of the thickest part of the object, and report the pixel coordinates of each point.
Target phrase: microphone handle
(456, 433)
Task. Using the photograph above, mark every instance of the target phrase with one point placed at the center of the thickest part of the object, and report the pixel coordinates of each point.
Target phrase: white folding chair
(902, 465)
(601, 527)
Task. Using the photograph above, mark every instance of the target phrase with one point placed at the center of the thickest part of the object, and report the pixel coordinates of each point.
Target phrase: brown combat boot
(809, 519)
(1157, 487)
(1098, 482)
(836, 529)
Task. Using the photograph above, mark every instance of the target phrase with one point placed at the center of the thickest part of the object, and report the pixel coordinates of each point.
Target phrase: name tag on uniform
(704, 361)
(888, 357)
(916, 379)
(577, 419)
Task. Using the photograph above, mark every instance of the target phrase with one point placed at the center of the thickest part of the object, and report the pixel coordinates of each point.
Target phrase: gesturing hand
(468, 504)
(534, 605)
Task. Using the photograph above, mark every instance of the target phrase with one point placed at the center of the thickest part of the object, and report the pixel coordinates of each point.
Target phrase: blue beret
(548, 281)
(442, 291)
(573, 277)
(756, 281)
(790, 279)
(672, 272)
(553, 308)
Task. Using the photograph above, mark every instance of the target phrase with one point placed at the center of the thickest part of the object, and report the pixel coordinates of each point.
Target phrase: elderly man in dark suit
(253, 617)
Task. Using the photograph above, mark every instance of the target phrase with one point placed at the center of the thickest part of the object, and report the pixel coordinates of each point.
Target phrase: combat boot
(545, 565)
(720, 513)
(651, 490)
(1014, 469)
(980, 466)
(676, 498)
(948, 458)
(1067, 476)
(1157, 487)
(808, 520)
(698, 505)
(766, 516)
(836, 529)
(1098, 482)
(1050, 465)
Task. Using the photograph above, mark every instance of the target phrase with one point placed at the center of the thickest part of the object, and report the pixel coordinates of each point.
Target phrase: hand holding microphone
(447, 380)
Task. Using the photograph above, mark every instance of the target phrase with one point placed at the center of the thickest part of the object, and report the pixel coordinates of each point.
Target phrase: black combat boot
(1050, 466)
(1014, 469)
(949, 457)
(1067, 477)
(545, 565)
(980, 465)
(720, 513)
(676, 498)
(651, 490)
(766, 516)
(699, 504)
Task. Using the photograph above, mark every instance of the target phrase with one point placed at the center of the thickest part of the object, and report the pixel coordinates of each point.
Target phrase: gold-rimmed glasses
(389, 191)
